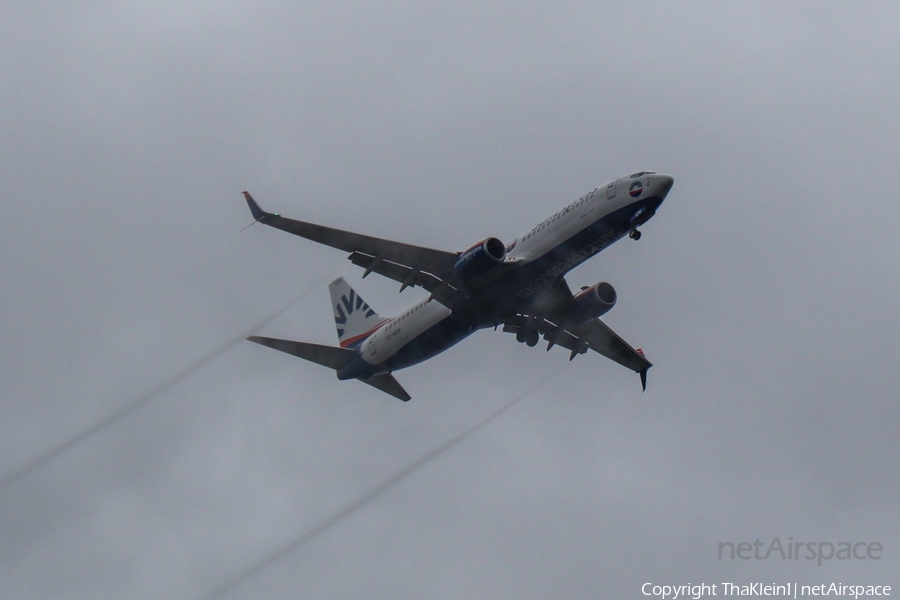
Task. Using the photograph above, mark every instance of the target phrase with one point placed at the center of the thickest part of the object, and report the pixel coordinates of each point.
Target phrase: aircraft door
(611, 189)
(369, 349)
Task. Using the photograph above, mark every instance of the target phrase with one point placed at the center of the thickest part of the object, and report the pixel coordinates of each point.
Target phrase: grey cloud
(764, 292)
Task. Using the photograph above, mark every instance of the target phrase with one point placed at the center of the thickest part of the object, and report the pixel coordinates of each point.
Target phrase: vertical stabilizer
(355, 320)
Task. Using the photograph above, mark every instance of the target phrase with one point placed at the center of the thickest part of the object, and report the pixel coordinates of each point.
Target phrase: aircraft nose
(662, 185)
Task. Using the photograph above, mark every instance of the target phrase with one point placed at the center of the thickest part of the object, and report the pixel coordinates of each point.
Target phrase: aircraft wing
(408, 264)
(593, 335)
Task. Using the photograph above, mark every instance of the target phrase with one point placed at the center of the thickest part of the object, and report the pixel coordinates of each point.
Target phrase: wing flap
(604, 340)
(443, 292)
(594, 335)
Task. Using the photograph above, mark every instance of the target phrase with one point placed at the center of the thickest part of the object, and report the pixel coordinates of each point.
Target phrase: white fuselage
(399, 331)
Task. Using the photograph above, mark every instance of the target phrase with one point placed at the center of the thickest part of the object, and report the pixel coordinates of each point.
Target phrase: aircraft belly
(430, 342)
(524, 284)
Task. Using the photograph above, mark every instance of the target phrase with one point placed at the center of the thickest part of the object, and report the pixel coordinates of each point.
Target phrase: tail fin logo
(349, 304)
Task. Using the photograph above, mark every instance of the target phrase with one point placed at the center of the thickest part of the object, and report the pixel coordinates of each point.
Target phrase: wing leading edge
(419, 265)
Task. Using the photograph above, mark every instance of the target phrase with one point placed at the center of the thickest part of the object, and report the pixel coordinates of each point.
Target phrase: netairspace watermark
(818, 551)
(787, 590)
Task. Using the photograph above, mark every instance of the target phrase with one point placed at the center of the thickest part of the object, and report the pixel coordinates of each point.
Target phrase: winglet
(258, 213)
(644, 379)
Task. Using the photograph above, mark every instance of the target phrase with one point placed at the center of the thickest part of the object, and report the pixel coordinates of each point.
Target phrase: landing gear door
(611, 189)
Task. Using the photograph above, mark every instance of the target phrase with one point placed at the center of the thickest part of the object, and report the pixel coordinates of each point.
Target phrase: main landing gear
(529, 337)
(634, 234)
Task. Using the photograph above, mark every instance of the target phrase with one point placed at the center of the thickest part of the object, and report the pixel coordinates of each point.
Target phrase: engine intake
(480, 258)
(591, 303)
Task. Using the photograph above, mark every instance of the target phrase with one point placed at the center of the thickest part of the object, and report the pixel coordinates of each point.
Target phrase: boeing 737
(520, 286)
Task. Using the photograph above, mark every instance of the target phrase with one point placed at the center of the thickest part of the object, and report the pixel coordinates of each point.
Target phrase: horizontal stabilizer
(386, 383)
(327, 356)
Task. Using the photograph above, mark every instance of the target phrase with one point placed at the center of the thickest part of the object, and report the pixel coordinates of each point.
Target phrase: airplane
(520, 286)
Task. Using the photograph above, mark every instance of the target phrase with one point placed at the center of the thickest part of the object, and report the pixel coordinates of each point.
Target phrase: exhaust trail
(349, 510)
(136, 404)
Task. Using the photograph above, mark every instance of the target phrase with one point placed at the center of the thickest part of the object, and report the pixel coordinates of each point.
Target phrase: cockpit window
(642, 173)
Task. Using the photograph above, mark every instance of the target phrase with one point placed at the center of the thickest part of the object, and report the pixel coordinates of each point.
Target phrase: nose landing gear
(634, 234)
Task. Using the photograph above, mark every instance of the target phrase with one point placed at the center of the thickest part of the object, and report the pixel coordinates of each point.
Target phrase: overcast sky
(764, 291)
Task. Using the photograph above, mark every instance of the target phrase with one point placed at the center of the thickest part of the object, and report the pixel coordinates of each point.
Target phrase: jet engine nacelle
(480, 258)
(591, 303)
